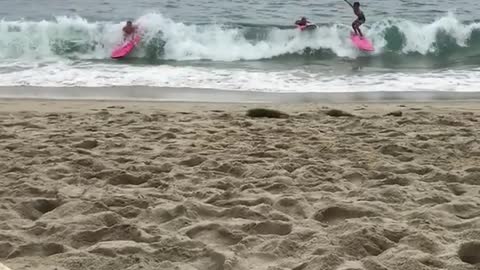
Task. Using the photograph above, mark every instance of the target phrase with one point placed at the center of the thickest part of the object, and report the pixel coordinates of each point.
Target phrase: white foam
(216, 42)
(29, 56)
(93, 75)
(39, 40)
(422, 38)
(94, 40)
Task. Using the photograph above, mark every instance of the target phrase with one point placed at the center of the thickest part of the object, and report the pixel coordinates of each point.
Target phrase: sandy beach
(139, 185)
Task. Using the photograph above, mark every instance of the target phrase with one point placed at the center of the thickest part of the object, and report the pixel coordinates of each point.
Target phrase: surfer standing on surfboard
(128, 30)
(360, 18)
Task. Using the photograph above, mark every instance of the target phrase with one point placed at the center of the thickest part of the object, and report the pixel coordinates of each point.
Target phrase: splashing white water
(66, 52)
(423, 38)
(279, 81)
(68, 37)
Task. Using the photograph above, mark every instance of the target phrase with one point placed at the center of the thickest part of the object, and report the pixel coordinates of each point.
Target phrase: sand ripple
(182, 186)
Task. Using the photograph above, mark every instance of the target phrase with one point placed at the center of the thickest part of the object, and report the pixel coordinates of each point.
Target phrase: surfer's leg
(356, 27)
(359, 31)
(359, 23)
(354, 24)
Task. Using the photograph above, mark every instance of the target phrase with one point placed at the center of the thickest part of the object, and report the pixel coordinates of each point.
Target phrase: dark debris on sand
(266, 113)
(338, 113)
(395, 113)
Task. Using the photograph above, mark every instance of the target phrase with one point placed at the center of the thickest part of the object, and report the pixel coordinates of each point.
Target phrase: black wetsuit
(361, 18)
(301, 23)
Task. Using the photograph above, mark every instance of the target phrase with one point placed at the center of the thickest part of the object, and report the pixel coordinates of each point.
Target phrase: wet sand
(139, 185)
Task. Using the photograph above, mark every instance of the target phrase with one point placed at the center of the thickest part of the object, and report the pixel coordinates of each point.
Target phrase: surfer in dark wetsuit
(128, 30)
(360, 18)
(302, 22)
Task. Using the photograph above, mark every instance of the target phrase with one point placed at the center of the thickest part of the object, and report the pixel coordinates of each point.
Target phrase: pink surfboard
(362, 43)
(306, 27)
(124, 49)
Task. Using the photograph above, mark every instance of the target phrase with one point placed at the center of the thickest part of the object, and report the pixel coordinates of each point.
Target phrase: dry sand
(201, 186)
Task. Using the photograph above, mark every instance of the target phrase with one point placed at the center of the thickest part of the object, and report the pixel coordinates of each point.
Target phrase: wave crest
(165, 39)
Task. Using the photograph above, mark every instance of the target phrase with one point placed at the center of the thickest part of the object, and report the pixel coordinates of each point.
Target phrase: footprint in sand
(214, 234)
(37, 249)
(34, 209)
(293, 207)
(336, 214)
(6, 249)
(114, 233)
(470, 252)
(258, 261)
(269, 227)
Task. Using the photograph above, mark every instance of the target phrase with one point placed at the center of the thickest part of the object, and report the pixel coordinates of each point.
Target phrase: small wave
(294, 80)
(166, 39)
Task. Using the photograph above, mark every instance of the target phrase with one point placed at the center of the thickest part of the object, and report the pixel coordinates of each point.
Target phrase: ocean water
(242, 45)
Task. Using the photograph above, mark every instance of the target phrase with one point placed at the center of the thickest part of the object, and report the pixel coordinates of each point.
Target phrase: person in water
(360, 18)
(302, 22)
(129, 30)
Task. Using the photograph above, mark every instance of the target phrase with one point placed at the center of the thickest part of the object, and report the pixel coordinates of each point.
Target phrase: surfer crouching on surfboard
(304, 24)
(128, 30)
(360, 18)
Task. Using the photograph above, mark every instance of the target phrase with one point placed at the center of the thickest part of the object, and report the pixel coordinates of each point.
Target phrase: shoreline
(161, 94)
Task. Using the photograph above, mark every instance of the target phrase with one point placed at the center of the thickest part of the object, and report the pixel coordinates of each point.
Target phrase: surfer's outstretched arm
(348, 3)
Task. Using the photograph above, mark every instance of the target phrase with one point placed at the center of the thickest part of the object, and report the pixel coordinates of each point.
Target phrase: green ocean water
(242, 45)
